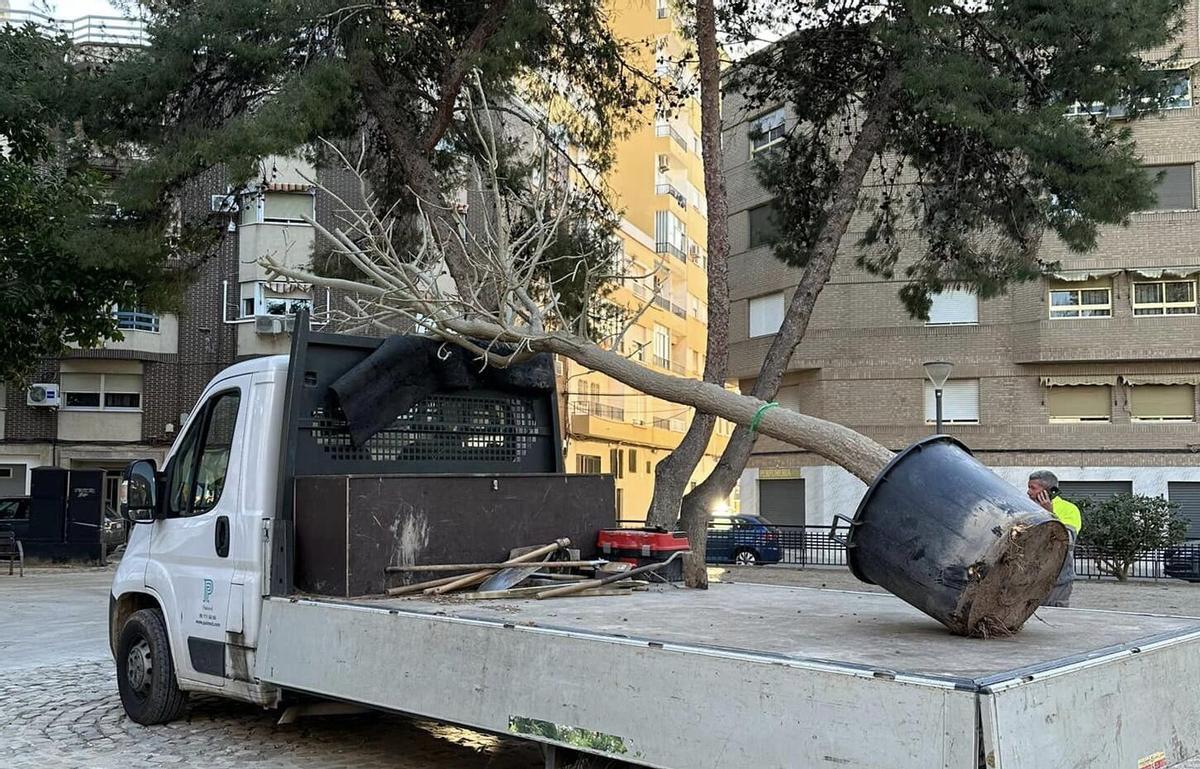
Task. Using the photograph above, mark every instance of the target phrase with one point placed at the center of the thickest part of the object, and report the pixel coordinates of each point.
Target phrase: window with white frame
(1162, 403)
(1174, 186)
(1092, 301)
(662, 346)
(663, 9)
(276, 207)
(768, 130)
(955, 307)
(1164, 297)
(960, 402)
(262, 298)
(1079, 403)
(101, 392)
(766, 314)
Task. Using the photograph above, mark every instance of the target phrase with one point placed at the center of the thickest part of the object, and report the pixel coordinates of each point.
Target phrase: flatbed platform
(872, 630)
(759, 676)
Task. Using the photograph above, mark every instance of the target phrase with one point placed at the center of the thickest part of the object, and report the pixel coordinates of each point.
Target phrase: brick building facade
(1091, 371)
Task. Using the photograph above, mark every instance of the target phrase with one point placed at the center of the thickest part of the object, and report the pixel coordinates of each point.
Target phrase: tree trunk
(719, 484)
(672, 474)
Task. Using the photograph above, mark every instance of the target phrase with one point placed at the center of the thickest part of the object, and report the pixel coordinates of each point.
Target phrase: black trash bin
(955, 540)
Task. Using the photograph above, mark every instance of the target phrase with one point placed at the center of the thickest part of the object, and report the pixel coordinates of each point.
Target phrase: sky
(67, 9)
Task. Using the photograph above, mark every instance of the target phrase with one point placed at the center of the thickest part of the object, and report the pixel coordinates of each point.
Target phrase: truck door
(189, 549)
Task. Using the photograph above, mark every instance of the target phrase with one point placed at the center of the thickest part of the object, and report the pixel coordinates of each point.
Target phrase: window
(955, 307)
(1079, 403)
(767, 131)
(196, 475)
(136, 319)
(670, 235)
(1162, 403)
(1173, 185)
(278, 298)
(766, 314)
(587, 464)
(616, 461)
(1179, 89)
(633, 460)
(662, 347)
(960, 402)
(104, 392)
(276, 207)
(1165, 297)
(763, 225)
(620, 502)
(1081, 302)
(663, 10)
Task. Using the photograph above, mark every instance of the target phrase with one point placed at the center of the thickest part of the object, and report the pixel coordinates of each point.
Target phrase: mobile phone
(1053, 492)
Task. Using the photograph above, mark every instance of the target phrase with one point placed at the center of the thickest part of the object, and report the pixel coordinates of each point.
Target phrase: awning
(1079, 380)
(1160, 379)
(1157, 273)
(1079, 276)
(286, 287)
(287, 187)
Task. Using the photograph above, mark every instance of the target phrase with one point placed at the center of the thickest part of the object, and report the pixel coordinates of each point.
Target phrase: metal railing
(603, 410)
(665, 188)
(1182, 561)
(669, 130)
(85, 30)
(663, 247)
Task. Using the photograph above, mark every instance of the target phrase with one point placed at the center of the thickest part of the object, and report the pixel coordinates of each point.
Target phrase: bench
(10, 548)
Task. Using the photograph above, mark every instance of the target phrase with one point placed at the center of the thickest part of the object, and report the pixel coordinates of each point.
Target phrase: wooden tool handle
(554, 592)
(479, 576)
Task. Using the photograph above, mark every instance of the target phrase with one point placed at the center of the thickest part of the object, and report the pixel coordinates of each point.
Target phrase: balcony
(667, 304)
(602, 410)
(665, 129)
(664, 247)
(108, 31)
(673, 191)
(674, 425)
(669, 365)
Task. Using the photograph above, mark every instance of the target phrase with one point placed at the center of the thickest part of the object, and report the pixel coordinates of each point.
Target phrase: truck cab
(194, 570)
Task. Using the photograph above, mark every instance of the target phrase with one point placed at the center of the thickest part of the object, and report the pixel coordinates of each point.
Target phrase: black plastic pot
(946, 534)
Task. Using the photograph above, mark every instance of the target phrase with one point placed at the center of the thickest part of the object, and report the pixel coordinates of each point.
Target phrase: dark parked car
(14, 515)
(746, 540)
(115, 530)
(1183, 561)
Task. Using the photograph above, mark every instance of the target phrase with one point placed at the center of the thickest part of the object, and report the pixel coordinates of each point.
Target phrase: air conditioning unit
(664, 163)
(43, 394)
(268, 324)
(223, 204)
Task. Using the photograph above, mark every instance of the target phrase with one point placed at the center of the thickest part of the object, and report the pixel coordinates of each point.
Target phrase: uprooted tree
(943, 127)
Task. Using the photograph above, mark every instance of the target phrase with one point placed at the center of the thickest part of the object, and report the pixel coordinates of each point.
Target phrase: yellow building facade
(658, 182)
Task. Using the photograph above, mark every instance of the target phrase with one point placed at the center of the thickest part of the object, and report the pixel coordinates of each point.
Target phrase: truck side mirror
(139, 492)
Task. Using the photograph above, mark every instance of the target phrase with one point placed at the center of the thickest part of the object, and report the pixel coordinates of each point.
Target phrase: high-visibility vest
(1067, 513)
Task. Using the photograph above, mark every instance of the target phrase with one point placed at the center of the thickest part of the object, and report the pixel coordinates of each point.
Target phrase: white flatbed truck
(205, 600)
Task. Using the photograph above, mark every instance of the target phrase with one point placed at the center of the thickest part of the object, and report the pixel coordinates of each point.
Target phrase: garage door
(1187, 496)
(1096, 491)
(782, 501)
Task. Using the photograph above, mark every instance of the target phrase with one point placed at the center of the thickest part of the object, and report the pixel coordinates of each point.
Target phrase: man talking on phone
(1043, 489)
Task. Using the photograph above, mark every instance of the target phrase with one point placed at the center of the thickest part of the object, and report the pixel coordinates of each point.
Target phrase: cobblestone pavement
(59, 707)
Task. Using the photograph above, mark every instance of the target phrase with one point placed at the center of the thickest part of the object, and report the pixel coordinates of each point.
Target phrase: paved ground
(59, 707)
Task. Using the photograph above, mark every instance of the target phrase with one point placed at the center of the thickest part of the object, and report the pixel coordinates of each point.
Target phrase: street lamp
(938, 372)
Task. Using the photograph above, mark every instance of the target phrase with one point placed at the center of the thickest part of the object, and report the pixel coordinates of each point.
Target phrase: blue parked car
(746, 540)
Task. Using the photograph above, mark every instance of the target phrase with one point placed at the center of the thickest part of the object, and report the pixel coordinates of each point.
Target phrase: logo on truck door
(208, 592)
(207, 616)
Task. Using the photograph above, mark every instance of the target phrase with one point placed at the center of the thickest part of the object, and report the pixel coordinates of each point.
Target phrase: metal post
(937, 394)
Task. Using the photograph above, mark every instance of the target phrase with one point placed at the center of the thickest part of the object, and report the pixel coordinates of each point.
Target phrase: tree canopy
(980, 158)
(67, 255)
(1120, 530)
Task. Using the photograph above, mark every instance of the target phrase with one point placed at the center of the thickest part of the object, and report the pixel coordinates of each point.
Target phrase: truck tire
(146, 672)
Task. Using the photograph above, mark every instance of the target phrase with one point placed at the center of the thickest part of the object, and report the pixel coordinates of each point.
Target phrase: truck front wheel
(145, 672)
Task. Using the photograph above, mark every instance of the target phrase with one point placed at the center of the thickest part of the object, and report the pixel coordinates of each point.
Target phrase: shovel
(514, 575)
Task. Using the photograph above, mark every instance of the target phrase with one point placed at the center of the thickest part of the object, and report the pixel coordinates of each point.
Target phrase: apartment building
(1092, 371)
(658, 182)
